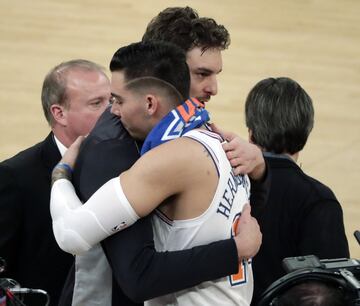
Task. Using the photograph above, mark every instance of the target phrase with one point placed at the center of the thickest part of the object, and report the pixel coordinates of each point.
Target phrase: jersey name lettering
(228, 197)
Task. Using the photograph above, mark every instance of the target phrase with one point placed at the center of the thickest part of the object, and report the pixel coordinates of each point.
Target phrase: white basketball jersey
(218, 222)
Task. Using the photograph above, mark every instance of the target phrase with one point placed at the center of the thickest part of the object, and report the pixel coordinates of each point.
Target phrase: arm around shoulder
(143, 273)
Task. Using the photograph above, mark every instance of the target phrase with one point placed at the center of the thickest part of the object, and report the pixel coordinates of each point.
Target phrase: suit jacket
(27, 242)
(139, 272)
(301, 217)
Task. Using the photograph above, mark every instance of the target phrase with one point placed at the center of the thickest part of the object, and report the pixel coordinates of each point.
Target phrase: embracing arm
(143, 273)
(78, 227)
(121, 201)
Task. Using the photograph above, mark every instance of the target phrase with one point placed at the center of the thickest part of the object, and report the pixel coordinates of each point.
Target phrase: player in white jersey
(219, 221)
(180, 175)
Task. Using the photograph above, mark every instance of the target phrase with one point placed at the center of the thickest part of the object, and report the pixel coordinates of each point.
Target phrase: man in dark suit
(74, 95)
(302, 216)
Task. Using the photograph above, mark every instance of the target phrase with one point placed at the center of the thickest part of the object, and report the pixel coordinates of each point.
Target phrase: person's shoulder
(179, 153)
(316, 188)
(320, 188)
(183, 145)
(107, 127)
(105, 159)
(26, 163)
(105, 151)
(279, 162)
(285, 168)
(25, 157)
(107, 142)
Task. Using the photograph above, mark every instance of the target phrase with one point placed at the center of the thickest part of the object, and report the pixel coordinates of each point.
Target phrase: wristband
(65, 166)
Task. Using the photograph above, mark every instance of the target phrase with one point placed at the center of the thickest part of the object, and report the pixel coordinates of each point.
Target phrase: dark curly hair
(183, 27)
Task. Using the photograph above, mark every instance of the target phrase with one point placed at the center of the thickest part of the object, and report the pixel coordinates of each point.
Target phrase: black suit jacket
(301, 217)
(27, 242)
(139, 272)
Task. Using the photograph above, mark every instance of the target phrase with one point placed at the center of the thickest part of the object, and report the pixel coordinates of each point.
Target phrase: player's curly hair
(183, 27)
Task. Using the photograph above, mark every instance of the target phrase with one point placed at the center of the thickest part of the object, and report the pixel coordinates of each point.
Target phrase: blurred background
(315, 42)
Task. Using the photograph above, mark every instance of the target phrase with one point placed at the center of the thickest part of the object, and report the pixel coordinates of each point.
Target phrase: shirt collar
(274, 155)
(60, 146)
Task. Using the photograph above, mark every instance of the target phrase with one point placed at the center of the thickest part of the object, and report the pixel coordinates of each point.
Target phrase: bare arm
(78, 227)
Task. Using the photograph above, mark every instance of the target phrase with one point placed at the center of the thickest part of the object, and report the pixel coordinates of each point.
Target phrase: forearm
(144, 273)
(78, 227)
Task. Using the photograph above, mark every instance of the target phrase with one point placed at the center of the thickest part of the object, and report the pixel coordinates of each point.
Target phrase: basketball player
(190, 177)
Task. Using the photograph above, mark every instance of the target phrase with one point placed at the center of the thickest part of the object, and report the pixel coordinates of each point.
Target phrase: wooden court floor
(316, 42)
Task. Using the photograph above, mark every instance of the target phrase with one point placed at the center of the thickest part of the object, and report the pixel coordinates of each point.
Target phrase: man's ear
(152, 104)
(58, 114)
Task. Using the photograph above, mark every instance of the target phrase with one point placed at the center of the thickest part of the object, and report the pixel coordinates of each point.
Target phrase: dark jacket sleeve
(140, 271)
(144, 273)
(10, 218)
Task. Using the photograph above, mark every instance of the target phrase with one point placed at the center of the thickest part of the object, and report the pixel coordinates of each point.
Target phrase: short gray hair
(54, 85)
(280, 115)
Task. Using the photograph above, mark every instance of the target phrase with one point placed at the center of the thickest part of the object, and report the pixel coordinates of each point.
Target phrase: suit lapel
(50, 153)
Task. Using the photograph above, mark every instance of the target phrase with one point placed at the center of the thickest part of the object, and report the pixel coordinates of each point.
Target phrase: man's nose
(212, 86)
(115, 110)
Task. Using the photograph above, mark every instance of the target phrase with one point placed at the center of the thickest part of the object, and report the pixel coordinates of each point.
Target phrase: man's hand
(248, 237)
(244, 157)
(72, 152)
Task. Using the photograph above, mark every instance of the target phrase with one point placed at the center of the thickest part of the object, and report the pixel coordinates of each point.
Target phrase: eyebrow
(96, 98)
(206, 70)
(116, 96)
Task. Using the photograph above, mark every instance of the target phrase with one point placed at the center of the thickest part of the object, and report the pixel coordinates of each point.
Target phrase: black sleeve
(260, 192)
(141, 272)
(10, 218)
(144, 273)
